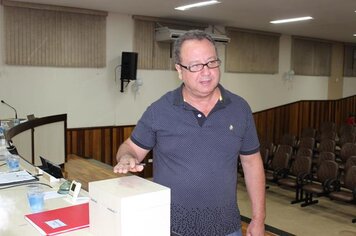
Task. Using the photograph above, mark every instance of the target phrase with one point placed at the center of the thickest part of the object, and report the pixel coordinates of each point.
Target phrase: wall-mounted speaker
(128, 66)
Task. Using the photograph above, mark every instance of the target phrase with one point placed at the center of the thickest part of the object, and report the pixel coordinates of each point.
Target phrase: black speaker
(128, 66)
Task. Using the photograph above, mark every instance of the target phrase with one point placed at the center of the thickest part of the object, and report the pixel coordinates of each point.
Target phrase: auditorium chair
(284, 148)
(326, 145)
(302, 151)
(347, 150)
(306, 142)
(345, 138)
(351, 161)
(323, 156)
(279, 163)
(295, 177)
(346, 192)
(326, 128)
(319, 186)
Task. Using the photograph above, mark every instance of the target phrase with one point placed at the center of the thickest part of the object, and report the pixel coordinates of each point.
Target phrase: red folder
(60, 220)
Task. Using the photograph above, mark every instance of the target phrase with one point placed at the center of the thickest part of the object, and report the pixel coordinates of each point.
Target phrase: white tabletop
(14, 205)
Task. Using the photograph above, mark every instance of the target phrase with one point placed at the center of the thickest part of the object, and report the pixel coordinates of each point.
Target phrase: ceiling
(333, 20)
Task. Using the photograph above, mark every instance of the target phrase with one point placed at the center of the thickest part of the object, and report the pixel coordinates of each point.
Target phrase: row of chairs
(327, 181)
(346, 133)
(312, 168)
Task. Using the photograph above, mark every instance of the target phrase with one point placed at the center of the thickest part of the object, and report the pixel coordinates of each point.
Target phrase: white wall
(349, 87)
(92, 97)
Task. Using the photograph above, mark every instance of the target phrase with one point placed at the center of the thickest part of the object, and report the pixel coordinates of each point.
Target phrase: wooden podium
(44, 137)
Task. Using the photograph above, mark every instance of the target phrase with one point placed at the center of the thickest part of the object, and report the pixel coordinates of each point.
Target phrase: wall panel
(101, 143)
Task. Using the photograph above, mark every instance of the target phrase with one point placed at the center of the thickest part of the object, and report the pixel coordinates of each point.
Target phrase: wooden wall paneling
(74, 144)
(258, 118)
(285, 117)
(279, 126)
(270, 124)
(115, 144)
(127, 132)
(338, 112)
(88, 147)
(107, 139)
(294, 119)
(302, 117)
(69, 141)
(96, 138)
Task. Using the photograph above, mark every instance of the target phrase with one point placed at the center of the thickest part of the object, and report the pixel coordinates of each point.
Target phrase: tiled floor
(327, 218)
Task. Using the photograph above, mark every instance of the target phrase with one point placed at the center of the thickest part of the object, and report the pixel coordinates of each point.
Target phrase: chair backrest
(285, 149)
(264, 155)
(347, 138)
(268, 145)
(327, 170)
(327, 145)
(307, 142)
(325, 156)
(347, 150)
(328, 135)
(280, 161)
(351, 161)
(301, 165)
(304, 151)
(350, 178)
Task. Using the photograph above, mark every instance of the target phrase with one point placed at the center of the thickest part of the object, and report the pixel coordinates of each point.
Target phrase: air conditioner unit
(165, 34)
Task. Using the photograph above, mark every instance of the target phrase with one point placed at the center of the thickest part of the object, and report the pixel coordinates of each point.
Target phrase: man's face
(204, 82)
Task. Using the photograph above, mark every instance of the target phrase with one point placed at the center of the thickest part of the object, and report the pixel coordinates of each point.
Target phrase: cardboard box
(129, 206)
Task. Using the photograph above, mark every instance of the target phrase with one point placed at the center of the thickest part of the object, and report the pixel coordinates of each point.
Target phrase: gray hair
(190, 35)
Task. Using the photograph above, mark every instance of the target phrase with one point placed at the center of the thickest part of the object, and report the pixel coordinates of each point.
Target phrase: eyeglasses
(198, 67)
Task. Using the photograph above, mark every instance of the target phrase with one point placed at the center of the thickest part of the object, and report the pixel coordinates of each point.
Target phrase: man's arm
(255, 181)
(128, 157)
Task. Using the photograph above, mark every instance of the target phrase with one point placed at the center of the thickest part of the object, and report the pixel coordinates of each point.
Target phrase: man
(197, 133)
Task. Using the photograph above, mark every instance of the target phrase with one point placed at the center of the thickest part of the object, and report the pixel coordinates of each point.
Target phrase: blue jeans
(237, 233)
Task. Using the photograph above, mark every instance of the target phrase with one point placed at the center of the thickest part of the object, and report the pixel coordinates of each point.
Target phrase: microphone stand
(2, 101)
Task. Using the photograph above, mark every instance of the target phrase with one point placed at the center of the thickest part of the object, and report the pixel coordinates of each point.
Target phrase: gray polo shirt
(196, 156)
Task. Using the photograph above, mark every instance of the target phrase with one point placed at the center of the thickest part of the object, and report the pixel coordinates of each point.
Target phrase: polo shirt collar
(179, 100)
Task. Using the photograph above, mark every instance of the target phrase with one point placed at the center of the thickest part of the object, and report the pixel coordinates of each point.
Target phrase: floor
(327, 218)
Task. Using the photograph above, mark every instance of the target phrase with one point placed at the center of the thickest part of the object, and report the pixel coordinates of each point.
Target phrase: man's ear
(179, 70)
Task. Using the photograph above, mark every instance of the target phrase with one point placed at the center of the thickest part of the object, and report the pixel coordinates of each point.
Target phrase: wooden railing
(292, 118)
(101, 143)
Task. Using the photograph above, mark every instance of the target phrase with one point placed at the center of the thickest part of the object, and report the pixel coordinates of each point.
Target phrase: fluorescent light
(355, 35)
(198, 4)
(291, 20)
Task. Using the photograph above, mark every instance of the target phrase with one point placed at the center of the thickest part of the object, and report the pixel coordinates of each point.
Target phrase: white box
(129, 206)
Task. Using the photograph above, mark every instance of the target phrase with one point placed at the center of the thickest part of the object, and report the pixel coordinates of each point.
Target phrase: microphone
(2, 101)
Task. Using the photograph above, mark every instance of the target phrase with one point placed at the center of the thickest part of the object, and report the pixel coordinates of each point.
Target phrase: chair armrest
(331, 185)
(303, 178)
(280, 173)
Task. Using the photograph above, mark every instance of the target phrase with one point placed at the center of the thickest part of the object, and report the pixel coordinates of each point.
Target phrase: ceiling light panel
(198, 4)
(291, 20)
